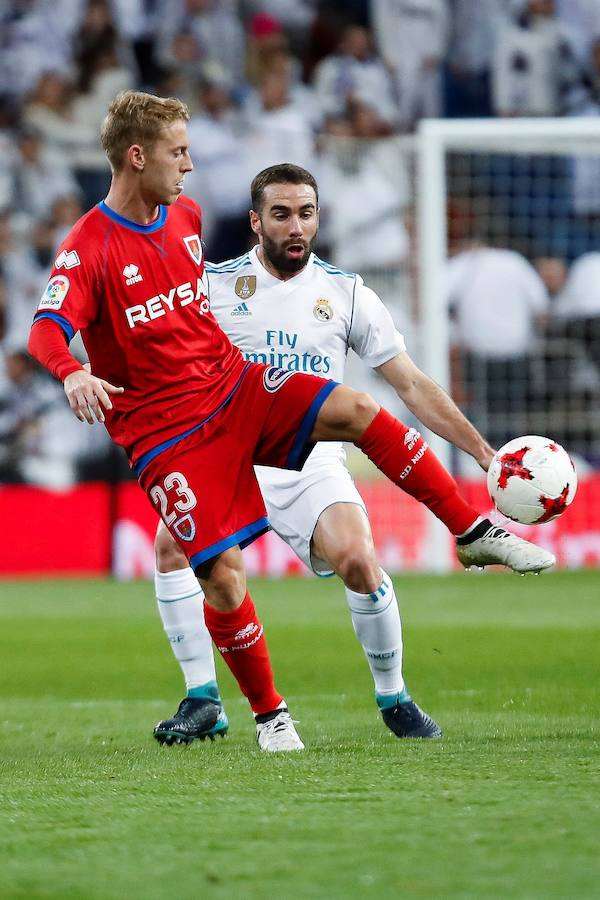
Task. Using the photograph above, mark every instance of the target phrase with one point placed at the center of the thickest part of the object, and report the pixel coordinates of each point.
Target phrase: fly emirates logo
(161, 304)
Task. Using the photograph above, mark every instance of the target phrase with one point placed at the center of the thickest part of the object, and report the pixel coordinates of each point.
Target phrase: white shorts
(295, 501)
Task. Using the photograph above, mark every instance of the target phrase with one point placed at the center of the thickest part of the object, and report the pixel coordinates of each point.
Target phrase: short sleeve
(373, 335)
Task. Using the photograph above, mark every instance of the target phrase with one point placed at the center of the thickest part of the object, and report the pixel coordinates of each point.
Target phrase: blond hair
(137, 118)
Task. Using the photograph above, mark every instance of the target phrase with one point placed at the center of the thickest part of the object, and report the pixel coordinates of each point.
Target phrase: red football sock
(239, 638)
(403, 455)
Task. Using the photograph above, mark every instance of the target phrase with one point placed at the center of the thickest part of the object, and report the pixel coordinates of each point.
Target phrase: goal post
(451, 153)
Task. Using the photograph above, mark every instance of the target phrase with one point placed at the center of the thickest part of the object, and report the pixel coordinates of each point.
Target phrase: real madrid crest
(245, 286)
(322, 310)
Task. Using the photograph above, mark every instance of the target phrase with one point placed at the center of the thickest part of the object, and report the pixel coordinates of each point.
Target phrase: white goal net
(509, 263)
(492, 271)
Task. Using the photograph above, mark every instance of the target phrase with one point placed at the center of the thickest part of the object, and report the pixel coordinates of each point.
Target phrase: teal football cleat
(197, 718)
(402, 716)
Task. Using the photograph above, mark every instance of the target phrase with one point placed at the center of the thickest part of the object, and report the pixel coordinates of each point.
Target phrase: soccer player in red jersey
(191, 413)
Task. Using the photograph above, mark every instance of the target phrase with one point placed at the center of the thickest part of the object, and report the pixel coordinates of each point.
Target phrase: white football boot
(489, 545)
(278, 734)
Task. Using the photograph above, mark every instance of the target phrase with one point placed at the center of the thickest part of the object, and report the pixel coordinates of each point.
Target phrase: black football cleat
(406, 719)
(197, 718)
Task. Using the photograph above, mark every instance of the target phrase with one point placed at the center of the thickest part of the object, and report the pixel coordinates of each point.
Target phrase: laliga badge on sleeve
(56, 291)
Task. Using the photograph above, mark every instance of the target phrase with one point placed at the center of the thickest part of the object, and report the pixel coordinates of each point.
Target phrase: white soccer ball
(532, 479)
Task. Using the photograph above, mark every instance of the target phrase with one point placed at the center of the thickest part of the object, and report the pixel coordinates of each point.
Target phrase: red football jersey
(139, 296)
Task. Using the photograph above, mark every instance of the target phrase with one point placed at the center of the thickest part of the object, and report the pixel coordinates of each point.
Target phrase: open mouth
(295, 250)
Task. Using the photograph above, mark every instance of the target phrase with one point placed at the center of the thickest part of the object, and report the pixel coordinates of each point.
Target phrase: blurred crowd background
(338, 87)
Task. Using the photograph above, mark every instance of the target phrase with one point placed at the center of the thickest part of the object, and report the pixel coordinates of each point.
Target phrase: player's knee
(228, 582)
(223, 580)
(169, 556)
(357, 565)
(365, 409)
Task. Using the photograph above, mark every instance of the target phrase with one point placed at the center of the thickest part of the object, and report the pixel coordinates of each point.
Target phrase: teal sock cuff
(208, 691)
(387, 701)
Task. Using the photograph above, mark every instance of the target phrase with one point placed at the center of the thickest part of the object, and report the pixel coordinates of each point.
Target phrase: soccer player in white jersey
(282, 305)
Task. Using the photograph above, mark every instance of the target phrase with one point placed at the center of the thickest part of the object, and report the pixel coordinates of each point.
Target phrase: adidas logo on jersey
(241, 310)
(131, 274)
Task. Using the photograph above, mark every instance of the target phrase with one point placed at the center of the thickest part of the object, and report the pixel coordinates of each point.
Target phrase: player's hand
(87, 394)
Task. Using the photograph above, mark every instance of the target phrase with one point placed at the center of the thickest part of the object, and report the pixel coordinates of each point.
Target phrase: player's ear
(255, 223)
(136, 157)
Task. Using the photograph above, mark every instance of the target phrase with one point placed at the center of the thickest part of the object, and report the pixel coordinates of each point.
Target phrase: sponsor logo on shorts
(185, 528)
(322, 310)
(67, 259)
(55, 293)
(194, 247)
(245, 286)
(274, 378)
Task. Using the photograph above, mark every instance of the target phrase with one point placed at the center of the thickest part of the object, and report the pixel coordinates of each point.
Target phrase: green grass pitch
(507, 804)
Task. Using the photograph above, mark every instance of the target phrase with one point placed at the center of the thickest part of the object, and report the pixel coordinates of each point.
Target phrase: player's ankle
(208, 691)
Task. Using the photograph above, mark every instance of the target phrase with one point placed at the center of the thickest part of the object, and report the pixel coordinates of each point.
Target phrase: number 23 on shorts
(174, 497)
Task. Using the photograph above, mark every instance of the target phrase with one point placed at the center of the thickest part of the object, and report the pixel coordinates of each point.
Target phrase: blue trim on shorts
(300, 448)
(60, 320)
(243, 537)
(150, 228)
(140, 464)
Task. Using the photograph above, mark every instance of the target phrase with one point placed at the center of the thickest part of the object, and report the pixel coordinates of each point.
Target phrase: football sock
(475, 531)
(239, 637)
(181, 608)
(376, 620)
(402, 454)
(388, 701)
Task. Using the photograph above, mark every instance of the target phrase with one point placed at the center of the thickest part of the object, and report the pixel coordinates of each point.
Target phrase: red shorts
(202, 483)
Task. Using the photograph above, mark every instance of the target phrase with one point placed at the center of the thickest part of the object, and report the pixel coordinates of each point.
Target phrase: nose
(295, 226)
(187, 164)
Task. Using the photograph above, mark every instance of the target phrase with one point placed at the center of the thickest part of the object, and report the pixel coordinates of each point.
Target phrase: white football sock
(376, 620)
(181, 608)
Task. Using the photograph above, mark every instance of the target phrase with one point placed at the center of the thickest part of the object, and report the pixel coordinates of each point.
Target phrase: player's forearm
(47, 343)
(438, 412)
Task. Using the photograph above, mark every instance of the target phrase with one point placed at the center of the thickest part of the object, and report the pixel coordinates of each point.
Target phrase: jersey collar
(135, 226)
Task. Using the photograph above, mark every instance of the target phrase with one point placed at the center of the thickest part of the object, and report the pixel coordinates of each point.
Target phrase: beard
(276, 254)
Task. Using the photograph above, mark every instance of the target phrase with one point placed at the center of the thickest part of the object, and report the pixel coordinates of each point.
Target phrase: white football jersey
(304, 324)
